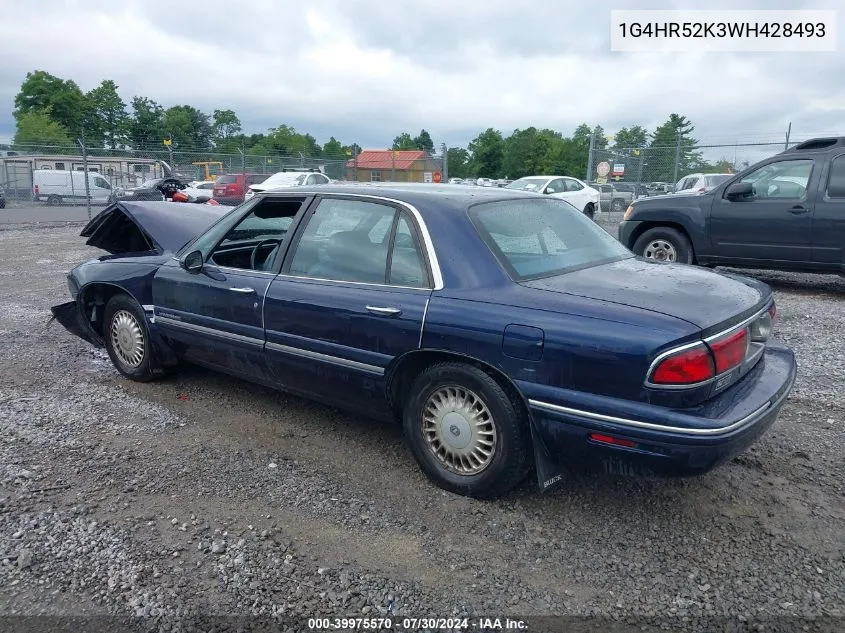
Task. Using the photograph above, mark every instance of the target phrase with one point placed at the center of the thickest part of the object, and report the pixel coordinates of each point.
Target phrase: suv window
(340, 243)
(836, 180)
(226, 180)
(786, 179)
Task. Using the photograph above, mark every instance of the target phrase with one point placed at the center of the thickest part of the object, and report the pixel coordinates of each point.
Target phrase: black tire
(590, 210)
(510, 458)
(645, 246)
(618, 205)
(122, 307)
(53, 201)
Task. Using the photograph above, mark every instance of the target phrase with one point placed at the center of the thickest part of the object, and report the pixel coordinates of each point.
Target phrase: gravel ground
(204, 495)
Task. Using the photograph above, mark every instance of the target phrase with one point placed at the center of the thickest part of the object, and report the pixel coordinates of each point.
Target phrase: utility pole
(444, 172)
(590, 156)
(677, 155)
(788, 131)
(85, 167)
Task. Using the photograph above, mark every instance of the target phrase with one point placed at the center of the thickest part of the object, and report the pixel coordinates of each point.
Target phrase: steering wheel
(254, 257)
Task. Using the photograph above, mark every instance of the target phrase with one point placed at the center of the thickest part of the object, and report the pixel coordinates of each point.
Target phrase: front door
(215, 315)
(350, 299)
(775, 222)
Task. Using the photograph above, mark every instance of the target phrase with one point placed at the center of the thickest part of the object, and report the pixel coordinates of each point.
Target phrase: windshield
(226, 180)
(528, 184)
(284, 178)
(542, 237)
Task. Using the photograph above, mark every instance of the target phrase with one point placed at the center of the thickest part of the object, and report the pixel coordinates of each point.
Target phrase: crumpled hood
(698, 296)
(132, 227)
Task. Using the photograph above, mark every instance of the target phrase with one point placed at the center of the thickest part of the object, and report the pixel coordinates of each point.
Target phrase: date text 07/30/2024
(417, 624)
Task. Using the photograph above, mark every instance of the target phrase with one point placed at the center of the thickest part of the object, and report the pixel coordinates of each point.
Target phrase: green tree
(333, 148)
(38, 128)
(286, 141)
(189, 128)
(527, 152)
(146, 126)
(663, 149)
(423, 142)
(110, 121)
(403, 141)
(635, 136)
(226, 130)
(488, 151)
(457, 161)
(63, 100)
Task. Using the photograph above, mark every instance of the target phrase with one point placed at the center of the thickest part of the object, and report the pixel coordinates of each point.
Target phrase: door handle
(245, 291)
(798, 210)
(384, 311)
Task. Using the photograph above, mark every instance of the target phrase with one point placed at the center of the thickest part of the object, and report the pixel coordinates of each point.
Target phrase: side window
(406, 264)
(556, 186)
(573, 185)
(253, 242)
(102, 183)
(341, 242)
(836, 180)
(312, 180)
(783, 180)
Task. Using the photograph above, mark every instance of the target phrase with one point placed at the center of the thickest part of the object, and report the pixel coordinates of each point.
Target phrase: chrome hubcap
(661, 250)
(459, 430)
(127, 338)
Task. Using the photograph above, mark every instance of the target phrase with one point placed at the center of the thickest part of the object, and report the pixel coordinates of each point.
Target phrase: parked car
(699, 183)
(59, 186)
(574, 191)
(785, 212)
(203, 185)
(230, 189)
(659, 188)
(155, 189)
(613, 199)
(456, 181)
(502, 329)
(289, 178)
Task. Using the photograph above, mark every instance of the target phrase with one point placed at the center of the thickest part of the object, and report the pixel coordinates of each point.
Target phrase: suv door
(774, 223)
(350, 299)
(829, 217)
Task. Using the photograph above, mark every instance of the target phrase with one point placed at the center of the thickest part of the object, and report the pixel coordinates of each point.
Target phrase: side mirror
(193, 262)
(739, 190)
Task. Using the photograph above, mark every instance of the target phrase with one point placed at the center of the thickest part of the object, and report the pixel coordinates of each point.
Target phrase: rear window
(535, 238)
(226, 180)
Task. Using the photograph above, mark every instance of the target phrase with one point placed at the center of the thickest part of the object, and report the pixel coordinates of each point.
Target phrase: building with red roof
(385, 165)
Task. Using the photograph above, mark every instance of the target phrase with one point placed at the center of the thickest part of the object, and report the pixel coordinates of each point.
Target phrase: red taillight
(686, 367)
(729, 351)
(36, 190)
(608, 439)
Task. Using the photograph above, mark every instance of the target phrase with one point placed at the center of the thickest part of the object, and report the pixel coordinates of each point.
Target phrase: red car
(231, 188)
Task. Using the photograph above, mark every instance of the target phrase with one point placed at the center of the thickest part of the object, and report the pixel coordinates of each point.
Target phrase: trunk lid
(701, 297)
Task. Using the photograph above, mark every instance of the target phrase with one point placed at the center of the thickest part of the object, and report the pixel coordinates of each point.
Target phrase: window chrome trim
(201, 329)
(422, 325)
(335, 360)
(428, 243)
(749, 358)
(600, 417)
(357, 283)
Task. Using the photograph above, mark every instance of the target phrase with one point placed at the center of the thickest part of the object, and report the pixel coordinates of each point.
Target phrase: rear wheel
(618, 205)
(466, 433)
(54, 200)
(127, 338)
(664, 244)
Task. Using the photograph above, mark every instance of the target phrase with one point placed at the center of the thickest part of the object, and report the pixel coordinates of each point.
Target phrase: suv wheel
(664, 244)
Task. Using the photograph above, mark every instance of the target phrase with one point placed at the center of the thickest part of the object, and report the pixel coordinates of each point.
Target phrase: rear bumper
(670, 443)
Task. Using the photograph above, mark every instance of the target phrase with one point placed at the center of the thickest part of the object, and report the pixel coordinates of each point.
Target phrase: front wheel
(127, 338)
(590, 210)
(466, 433)
(664, 244)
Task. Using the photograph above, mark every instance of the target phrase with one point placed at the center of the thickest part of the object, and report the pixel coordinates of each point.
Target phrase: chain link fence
(23, 170)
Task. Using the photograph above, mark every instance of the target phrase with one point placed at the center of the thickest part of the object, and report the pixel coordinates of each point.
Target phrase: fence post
(85, 167)
(677, 155)
(788, 130)
(590, 155)
(444, 171)
(355, 161)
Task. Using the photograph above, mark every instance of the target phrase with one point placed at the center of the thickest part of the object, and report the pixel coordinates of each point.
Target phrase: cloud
(366, 70)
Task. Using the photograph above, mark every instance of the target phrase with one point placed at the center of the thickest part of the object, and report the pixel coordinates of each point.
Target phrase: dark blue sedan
(505, 330)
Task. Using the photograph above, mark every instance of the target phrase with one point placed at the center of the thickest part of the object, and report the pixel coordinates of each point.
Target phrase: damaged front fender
(72, 319)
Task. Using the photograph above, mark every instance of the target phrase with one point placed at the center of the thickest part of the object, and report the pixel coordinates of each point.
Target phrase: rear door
(829, 217)
(775, 223)
(350, 299)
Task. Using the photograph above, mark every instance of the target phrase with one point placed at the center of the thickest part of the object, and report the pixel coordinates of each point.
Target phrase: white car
(284, 179)
(575, 192)
(700, 183)
(200, 188)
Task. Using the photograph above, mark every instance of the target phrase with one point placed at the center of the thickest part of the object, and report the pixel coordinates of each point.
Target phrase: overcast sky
(364, 70)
